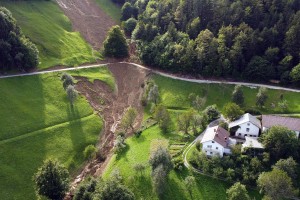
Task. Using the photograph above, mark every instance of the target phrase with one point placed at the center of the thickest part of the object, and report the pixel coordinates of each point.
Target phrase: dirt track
(88, 19)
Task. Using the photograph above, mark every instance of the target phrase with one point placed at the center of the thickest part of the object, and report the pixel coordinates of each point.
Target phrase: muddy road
(88, 19)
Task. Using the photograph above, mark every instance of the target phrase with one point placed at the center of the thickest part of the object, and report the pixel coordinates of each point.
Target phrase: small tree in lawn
(190, 182)
(283, 105)
(162, 116)
(153, 94)
(198, 103)
(115, 44)
(184, 121)
(129, 119)
(237, 192)
(232, 111)
(72, 94)
(212, 112)
(261, 97)
(52, 180)
(67, 80)
(238, 95)
(139, 168)
(119, 144)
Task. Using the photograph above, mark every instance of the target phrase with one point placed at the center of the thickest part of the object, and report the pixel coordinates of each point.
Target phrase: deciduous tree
(237, 192)
(232, 111)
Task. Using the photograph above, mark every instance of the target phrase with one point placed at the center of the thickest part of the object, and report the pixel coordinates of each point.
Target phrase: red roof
(272, 120)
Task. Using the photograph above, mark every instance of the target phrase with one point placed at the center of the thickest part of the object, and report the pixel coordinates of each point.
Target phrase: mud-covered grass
(47, 26)
(37, 122)
(111, 9)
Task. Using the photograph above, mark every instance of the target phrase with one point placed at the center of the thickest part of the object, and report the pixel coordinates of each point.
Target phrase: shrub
(90, 152)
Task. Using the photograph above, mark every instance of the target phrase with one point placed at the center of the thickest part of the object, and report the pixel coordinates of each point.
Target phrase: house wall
(242, 131)
(212, 148)
(265, 129)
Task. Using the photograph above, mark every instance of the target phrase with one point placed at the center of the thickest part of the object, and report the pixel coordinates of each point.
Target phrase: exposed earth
(111, 104)
(88, 19)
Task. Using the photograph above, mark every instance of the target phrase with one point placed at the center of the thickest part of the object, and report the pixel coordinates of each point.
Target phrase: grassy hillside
(37, 122)
(46, 25)
(111, 9)
(175, 93)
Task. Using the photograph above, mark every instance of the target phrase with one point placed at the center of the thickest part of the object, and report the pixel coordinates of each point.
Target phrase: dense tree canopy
(252, 39)
(115, 44)
(16, 51)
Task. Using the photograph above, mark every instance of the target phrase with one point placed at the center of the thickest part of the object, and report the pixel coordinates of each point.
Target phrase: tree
(280, 142)
(295, 73)
(184, 121)
(129, 118)
(86, 189)
(237, 192)
(67, 80)
(190, 182)
(153, 94)
(52, 180)
(115, 44)
(128, 11)
(129, 25)
(198, 103)
(232, 111)
(276, 185)
(90, 152)
(72, 94)
(113, 190)
(261, 97)
(212, 112)
(119, 144)
(288, 165)
(238, 95)
(162, 116)
(161, 157)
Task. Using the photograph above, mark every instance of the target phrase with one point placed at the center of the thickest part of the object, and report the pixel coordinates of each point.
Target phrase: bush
(90, 152)
(253, 111)
(129, 25)
(178, 163)
(115, 44)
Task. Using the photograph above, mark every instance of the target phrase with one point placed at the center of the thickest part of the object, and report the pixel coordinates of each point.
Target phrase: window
(247, 129)
(217, 147)
(210, 152)
(250, 135)
(248, 124)
(245, 135)
(240, 134)
(209, 146)
(212, 141)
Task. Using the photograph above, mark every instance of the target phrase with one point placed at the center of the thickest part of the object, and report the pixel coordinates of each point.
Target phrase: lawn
(47, 26)
(37, 122)
(111, 9)
(174, 94)
(138, 151)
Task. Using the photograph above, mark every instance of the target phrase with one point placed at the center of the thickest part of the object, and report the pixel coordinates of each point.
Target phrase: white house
(251, 142)
(246, 125)
(271, 120)
(216, 141)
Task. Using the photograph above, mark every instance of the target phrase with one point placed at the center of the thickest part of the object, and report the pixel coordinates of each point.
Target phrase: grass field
(138, 151)
(111, 9)
(37, 122)
(46, 25)
(174, 94)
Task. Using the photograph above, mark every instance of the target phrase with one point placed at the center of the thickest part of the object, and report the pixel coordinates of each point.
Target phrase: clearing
(37, 122)
(47, 26)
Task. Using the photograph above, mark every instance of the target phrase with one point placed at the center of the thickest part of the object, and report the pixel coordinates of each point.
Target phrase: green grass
(99, 73)
(47, 26)
(110, 8)
(138, 151)
(174, 94)
(37, 122)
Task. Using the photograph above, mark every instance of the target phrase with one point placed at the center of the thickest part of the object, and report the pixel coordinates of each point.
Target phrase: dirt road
(88, 19)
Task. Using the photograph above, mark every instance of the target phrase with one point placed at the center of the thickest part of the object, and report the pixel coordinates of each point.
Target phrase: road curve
(253, 85)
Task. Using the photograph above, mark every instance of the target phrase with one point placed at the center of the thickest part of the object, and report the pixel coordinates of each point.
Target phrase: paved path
(253, 85)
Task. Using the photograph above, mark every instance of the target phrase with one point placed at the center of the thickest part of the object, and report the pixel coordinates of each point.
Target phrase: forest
(242, 39)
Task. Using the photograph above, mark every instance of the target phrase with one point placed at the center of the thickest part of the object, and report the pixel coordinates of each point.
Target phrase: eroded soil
(111, 104)
(88, 19)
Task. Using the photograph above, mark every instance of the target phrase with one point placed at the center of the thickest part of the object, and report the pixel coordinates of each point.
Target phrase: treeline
(249, 39)
(16, 51)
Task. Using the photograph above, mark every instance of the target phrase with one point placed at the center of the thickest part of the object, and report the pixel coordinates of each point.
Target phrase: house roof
(245, 118)
(252, 142)
(272, 120)
(217, 134)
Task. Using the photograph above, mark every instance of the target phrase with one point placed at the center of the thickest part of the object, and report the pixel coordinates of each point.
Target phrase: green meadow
(47, 26)
(174, 95)
(37, 122)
